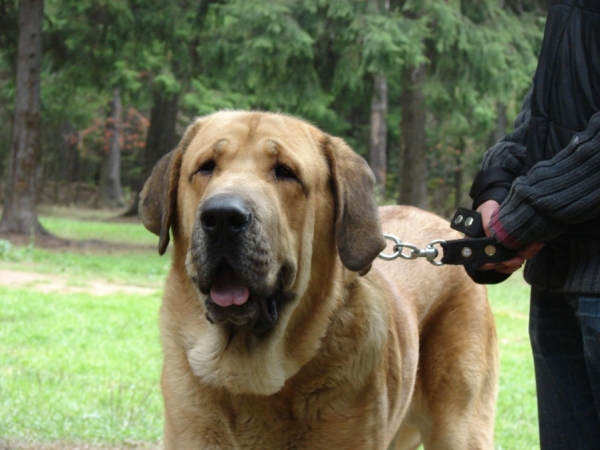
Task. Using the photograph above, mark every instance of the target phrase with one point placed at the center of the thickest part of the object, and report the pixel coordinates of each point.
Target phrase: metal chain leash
(429, 252)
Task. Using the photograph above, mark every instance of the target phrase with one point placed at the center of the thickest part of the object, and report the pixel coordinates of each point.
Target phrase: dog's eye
(207, 167)
(284, 173)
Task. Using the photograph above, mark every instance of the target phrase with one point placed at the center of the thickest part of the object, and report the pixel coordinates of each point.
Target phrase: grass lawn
(79, 367)
(136, 263)
(516, 413)
(82, 368)
(125, 232)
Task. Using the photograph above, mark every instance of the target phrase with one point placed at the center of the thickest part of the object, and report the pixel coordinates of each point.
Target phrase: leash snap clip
(430, 253)
(434, 252)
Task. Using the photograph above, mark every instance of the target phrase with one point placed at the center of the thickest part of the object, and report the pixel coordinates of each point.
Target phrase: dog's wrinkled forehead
(237, 135)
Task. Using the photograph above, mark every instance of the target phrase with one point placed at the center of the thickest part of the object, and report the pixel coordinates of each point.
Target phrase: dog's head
(252, 201)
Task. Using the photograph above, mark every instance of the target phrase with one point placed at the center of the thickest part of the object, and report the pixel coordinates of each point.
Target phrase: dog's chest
(316, 421)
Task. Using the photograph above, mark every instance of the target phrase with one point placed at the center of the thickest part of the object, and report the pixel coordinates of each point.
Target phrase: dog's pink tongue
(228, 289)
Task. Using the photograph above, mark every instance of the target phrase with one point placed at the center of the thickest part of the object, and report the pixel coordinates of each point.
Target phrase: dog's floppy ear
(158, 199)
(357, 227)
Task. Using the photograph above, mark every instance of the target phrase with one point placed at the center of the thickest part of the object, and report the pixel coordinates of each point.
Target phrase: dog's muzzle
(233, 262)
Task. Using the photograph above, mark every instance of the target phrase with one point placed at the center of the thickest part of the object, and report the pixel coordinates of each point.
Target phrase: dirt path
(56, 283)
(25, 445)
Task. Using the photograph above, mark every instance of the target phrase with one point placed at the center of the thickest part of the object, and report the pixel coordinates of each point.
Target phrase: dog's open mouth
(228, 288)
(232, 301)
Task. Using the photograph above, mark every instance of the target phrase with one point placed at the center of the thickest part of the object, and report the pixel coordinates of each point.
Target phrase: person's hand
(517, 261)
(486, 210)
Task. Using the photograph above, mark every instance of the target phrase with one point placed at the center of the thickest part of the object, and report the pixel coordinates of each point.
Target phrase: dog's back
(456, 390)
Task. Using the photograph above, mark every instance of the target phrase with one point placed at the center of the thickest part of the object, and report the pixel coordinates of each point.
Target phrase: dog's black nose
(224, 215)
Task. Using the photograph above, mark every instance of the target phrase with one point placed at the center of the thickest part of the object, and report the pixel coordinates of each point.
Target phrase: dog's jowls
(279, 328)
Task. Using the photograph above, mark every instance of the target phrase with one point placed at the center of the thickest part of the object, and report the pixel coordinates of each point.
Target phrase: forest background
(419, 88)
(93, 93)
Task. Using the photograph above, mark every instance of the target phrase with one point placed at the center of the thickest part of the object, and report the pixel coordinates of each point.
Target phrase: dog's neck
(244, 363)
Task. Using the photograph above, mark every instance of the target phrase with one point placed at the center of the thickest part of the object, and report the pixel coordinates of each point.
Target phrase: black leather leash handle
(469, 222)
(475, 250)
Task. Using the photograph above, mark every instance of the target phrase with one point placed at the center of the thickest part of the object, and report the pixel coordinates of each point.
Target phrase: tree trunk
(501, 124)
(71, 170)
(413, 173)
(162, 136)
(378, 140)
(19, 215)
(161, 139)
(112, 193)
(458, 176)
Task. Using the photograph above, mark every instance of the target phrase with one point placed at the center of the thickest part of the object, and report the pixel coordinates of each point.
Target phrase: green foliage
(207, 95)
(9, 31)
(312, 58)
(377, 42)
(12, 253)
(5, 248)
(264, 52)
(479, 58)
(86, 38)
(390, 42)
(8, 36)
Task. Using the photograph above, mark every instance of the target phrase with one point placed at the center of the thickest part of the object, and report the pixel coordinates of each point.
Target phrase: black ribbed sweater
(546, 174)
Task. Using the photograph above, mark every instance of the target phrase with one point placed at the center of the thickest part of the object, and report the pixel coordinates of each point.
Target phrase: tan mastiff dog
(279, 330)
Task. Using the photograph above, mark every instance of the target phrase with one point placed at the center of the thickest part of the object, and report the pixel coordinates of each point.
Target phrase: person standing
(538, 192)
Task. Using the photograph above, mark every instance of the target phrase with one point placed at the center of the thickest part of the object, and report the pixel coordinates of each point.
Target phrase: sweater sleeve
(555, 195)
(504, 161)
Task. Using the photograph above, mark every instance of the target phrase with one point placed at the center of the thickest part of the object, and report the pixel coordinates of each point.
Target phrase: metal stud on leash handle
(429, 252)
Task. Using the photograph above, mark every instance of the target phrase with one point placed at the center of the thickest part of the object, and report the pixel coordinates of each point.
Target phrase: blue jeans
(565, 338)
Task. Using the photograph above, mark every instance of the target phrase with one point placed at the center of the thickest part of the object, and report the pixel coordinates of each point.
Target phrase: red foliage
(132, 133)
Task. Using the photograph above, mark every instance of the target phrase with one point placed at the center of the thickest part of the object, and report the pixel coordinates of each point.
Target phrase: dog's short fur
(279, 329)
